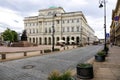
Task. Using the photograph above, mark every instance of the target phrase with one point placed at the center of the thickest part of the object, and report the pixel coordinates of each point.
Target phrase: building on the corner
(68, 26)
(115, 25)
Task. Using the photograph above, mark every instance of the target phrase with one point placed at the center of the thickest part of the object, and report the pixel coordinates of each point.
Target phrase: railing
(4, 55)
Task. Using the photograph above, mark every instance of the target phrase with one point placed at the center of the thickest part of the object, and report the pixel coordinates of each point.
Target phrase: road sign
(107, 35)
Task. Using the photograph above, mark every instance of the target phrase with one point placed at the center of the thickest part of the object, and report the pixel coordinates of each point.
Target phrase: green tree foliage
(9, 35)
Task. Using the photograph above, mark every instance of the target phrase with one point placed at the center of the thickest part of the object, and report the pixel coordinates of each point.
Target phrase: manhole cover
(28, 67)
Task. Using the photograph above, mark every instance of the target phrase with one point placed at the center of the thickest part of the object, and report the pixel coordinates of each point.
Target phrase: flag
(116, 18)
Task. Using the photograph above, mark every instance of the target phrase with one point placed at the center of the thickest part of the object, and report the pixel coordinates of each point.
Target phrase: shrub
(66, 76)
(56, 49)
(47, 50)
(84, 65)
(55, 75)
(101, 53)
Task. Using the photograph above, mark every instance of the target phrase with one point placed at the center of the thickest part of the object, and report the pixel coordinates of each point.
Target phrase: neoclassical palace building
(68, 26)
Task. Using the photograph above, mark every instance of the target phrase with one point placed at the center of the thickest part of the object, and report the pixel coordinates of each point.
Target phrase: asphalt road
(43, 65)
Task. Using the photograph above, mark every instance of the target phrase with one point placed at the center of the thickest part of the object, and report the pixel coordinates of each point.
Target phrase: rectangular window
(30, 30)
(63, 29)
(36, 24)
(49, 30)
(67, 21)
(36, 30)
(45, 30)
(33, 24)
(72, 29)
(72, 21)
(63, 21)
(78, 28)
(68, 29)
(33, 30)
(77, 20)
(30, 24)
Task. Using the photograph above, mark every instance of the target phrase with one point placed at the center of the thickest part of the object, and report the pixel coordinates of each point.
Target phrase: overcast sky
(12, 12)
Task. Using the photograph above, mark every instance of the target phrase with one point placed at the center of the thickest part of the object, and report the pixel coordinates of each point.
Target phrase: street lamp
(103, 2)
(53, 32)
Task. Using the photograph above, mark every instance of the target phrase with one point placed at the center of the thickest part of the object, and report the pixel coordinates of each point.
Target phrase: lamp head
(101, 5)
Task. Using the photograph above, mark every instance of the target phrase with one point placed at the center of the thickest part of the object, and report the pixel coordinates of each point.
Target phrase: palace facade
(68, 26)
(115, 25)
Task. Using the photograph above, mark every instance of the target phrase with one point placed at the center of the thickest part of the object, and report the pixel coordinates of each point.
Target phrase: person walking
(111, 44)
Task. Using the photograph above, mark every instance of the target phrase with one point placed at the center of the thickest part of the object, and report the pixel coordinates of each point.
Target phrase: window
(36, 24)
(63, 21)
(72, 29)
(49, 30)
(63, 29)
(36, 30)
(33, 30)
(30, 24)
(30, 30)
(67, 21)
(33, 24)
(72, 21)
(40, 23)
(78, 28)
(68, 29)
(77, 20)
(45, 30)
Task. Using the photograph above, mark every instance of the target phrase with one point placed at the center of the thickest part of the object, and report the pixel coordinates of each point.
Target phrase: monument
(23, 42)
(24, 36)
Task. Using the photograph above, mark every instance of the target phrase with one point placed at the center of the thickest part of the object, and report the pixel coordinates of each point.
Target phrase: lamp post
(53, 32)
(103, 2)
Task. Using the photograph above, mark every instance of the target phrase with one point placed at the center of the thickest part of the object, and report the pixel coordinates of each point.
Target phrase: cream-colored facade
(68, 26)
(115, 25)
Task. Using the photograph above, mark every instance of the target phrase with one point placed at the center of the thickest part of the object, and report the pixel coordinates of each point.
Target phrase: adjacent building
(66, 25)
(115, 25)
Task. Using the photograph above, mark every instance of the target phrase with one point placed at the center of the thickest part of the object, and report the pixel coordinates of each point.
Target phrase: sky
(12, 12)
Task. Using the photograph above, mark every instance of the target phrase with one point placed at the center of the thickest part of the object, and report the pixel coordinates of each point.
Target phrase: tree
(9, 35)
(15, 35)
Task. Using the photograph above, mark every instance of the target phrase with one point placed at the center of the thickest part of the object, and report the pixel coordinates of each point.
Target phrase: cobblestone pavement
(41, 66)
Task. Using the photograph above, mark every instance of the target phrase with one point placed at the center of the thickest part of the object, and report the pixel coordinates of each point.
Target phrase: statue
(24, 36)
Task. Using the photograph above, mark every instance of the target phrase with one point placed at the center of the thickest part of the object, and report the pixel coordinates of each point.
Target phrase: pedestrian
(111, 44)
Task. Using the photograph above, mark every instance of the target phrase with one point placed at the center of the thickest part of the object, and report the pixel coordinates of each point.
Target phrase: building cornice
(52, 9)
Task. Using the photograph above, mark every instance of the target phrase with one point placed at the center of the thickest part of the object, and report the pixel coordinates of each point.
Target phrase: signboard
(107, 35)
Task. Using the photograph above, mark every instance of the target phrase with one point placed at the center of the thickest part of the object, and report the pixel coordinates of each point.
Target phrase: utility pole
(53, 33)
(101, 5)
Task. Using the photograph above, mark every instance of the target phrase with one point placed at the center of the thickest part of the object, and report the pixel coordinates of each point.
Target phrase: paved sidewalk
(110, 69)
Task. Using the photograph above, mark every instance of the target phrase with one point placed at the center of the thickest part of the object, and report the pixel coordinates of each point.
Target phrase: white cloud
(10, 19)
(16, 10)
